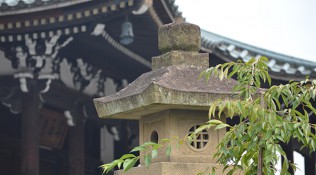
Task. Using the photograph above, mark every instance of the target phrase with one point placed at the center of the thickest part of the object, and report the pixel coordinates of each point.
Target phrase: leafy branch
(150, 150)
(267, 118)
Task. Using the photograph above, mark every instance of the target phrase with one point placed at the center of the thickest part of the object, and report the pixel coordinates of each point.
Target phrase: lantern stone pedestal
(170, 101)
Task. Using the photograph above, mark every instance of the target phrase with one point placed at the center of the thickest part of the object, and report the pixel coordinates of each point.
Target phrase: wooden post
(310, 168)
(30, 130)
(77, 145)
(121, 146)
(288, 149)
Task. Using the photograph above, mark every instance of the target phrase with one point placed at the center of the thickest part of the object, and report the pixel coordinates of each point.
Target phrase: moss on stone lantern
(170, 101)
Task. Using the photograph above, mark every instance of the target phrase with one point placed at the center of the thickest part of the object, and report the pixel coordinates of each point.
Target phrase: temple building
(56, 56)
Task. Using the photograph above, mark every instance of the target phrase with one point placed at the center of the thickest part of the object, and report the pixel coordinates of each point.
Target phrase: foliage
(252, 145)
(150, 150)
(267, 118)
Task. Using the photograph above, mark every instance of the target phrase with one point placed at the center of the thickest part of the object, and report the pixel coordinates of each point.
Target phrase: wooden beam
(77, 145)
(310, 167)
(30, 130)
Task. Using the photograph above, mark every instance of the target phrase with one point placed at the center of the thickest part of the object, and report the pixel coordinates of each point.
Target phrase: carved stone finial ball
(179, 35)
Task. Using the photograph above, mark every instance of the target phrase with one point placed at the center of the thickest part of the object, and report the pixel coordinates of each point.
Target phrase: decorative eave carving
(99, 30)
(169, 7)
(65, 21)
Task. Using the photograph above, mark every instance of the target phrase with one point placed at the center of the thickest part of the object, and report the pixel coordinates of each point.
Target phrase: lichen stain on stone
(173, 80)
(179, 36)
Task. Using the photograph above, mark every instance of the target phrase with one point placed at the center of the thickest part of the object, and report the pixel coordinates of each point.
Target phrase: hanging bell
(127, 36)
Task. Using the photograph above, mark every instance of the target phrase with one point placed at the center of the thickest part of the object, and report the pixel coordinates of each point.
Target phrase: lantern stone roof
(173, 83)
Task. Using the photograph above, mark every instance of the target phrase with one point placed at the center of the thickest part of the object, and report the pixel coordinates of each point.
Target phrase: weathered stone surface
(180, 58)
(170, 102)
(179, 36)
(173, 83)
(177, 122)
(173, 168)
(164, 88)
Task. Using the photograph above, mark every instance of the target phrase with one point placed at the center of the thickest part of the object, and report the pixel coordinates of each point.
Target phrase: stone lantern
(170, 101)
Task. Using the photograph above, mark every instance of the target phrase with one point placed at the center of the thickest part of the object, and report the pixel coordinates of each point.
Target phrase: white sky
(284, 26)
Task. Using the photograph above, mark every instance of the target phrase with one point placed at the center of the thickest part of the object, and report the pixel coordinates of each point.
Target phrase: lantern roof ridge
(180, 78)
(165, 88)
(174, 81)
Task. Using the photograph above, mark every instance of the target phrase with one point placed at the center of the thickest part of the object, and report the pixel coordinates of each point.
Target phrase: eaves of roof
(21, 7)
(62, 17)
(281, 66)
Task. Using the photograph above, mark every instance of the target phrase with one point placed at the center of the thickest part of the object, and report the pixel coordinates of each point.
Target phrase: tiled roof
(11, 7)
(281, 66)
(172, 8)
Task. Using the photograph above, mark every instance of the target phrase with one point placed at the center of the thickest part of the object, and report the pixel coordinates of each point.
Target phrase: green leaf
(200, 129)
(125, 156)
(119, 165)
(268, 77)
(285, 167)
(157, 146)
(225, 73)
(232, 73)
(230, 172)
(168, 150)
(138, 148)
(220, 126)
(110, 166)
(239, 105)
(314, 94)
(154, 153)
(149, 144)
(265, 125)
(147, 160)
(129, 163)
(208, 74)
(215, 122)
(178, 145)
(213, 170)
(105, 168)
(293, 166)
(202, 74)
(180, 142)
(165, 140)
